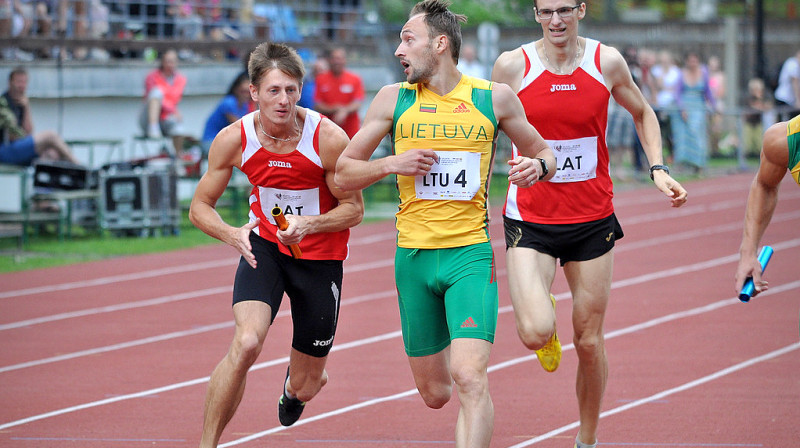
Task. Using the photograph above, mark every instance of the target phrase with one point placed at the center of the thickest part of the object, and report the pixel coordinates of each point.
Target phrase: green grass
(43, 248)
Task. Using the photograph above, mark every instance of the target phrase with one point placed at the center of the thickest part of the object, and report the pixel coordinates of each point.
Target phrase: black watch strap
(663, 168)
(544, 168)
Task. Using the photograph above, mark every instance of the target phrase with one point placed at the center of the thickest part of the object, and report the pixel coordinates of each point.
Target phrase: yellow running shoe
(550, 355)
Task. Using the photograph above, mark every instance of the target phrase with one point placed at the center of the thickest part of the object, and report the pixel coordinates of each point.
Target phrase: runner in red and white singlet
(296, 182)
(288, 154)
(581, 190)
(565, 83)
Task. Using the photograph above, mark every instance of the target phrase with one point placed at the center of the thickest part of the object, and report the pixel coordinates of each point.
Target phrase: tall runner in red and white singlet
(565, 82)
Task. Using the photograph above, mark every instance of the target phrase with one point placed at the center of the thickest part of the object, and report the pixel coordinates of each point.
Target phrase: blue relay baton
(749, 288)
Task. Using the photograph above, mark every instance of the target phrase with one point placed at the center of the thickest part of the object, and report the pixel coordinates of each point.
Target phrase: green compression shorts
(445, 294)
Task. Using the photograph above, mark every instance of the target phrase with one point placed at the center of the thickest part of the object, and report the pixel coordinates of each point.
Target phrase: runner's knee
(246, 348)
(435, 395)
(534, 335)
(471, 380)
(588, 346)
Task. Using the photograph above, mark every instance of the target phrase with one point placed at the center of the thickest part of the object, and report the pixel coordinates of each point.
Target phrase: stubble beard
(425, 71)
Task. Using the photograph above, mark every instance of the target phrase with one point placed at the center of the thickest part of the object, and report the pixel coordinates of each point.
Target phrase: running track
(117, 353)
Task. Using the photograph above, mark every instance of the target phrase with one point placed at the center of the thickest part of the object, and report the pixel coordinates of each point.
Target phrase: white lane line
(388, 262)
(194, 382)
(610, 335)
(118, 307)
(660, 395)
(375, 339)
(132, 277)
(387, 294)
(168, 336)
(136, 276)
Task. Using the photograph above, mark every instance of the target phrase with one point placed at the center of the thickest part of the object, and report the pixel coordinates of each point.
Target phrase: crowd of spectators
(687, 91)
(80, 19)
(190, 20)
(689, 97)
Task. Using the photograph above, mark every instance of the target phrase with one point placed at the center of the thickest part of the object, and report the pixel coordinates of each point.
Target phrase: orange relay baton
(280, 220)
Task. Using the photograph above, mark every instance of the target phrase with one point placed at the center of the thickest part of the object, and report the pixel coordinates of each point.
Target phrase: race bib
(576, 160)
(455, 177)
(292, 202)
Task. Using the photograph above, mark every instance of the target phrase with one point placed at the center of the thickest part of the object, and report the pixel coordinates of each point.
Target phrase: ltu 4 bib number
(455, 177)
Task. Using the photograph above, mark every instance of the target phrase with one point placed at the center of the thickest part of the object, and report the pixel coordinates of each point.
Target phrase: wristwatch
(663, 168)
(544, 168)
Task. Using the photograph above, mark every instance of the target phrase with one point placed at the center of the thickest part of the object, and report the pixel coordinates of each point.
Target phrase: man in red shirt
(339, 93)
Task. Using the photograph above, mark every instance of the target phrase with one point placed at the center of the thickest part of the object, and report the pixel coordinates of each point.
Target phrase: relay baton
(280, 220)
(749, 288)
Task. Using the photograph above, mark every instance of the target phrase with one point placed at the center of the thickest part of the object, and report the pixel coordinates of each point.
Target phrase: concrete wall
(104, 102)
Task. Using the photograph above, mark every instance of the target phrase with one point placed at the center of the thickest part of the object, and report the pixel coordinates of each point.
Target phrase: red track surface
(117, 353)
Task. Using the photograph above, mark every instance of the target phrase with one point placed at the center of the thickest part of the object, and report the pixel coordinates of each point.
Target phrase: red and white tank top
(295, 182)
(570, 112)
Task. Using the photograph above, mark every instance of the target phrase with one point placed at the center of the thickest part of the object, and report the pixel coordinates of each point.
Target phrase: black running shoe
(289, 409)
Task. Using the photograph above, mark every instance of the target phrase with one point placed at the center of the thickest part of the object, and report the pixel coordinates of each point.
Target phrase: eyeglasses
(566, 11)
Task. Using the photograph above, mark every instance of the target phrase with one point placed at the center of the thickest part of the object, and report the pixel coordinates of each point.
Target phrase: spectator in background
(19, 144)
(310, 83)
(43, 12)
(163, 91)
(236, 104)
(666, 76)
(690, 120)
(74, 15)
(339, 93)
(646, 59)
(155, 16)
(341, 16)
(621, 133)
(787, 94)
(469, 64)
(716, 83)
(13, 23)
(757, 111)
(188, 24)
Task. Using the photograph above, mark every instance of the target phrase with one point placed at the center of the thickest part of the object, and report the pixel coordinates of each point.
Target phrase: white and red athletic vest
(570, 112)
(295, 182)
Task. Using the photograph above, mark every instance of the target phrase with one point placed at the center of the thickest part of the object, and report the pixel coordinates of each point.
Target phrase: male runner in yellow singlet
(443, 126)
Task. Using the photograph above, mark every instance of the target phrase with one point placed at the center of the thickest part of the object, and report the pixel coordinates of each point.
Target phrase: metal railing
(128, 26)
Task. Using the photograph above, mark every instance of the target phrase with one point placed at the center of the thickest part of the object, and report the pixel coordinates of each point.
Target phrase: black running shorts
(567, 242)
(313, 288)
